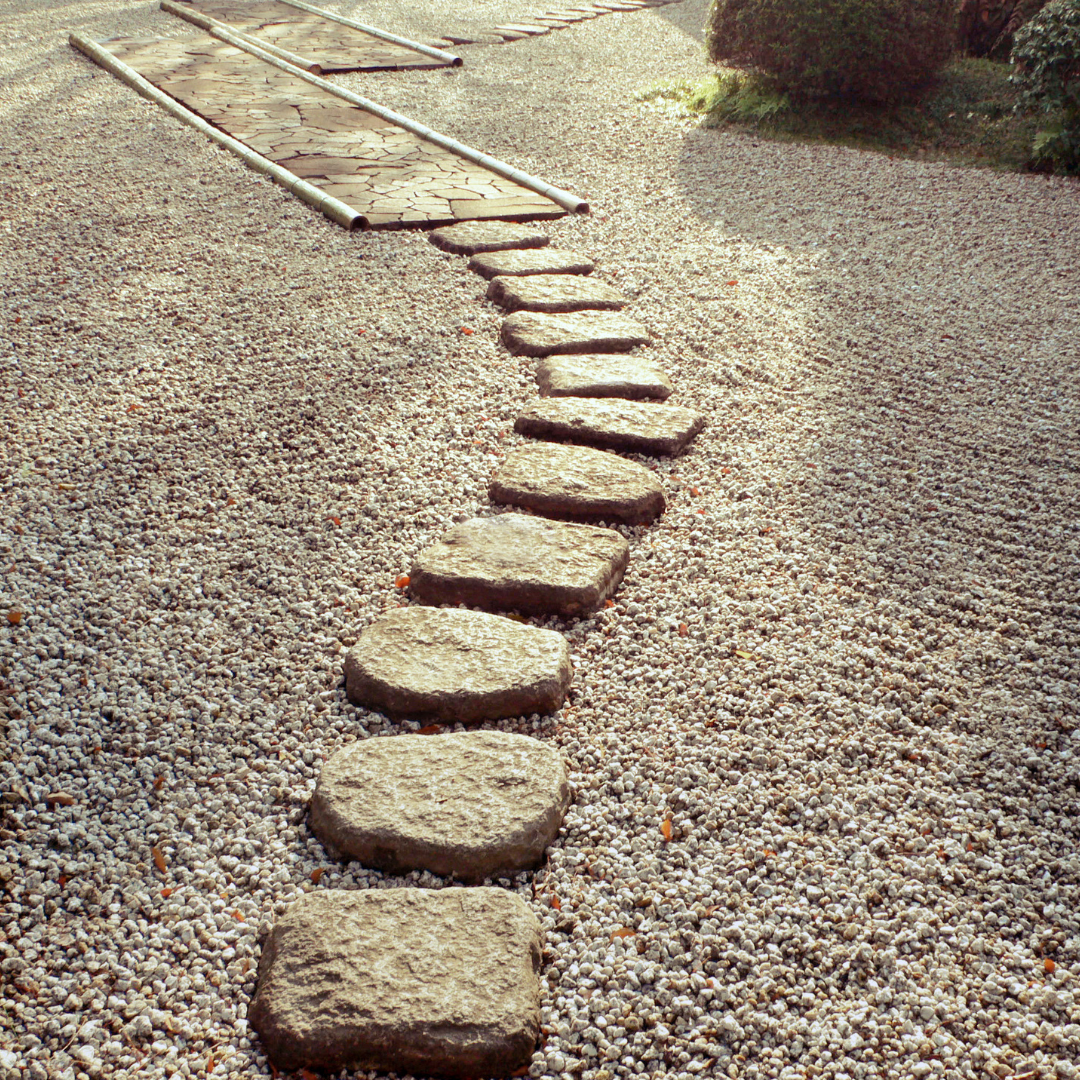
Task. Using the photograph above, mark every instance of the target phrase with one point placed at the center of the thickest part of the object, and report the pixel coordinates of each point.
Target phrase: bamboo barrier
(333, 208)
(374, 31)
(205, 22)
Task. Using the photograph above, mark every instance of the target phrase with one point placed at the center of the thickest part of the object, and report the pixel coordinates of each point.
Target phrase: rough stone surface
(620, 425)
(471, 237)
(554, 293)
(535, 333)
(576, 481)
(405, 980)
(516, 562)
(598, 375)
(520, 262)
(471, 804)
(457, 665)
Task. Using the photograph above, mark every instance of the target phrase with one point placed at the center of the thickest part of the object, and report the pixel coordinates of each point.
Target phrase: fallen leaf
(623, 932)
(684, 630)
(695, 492)
(1049, 966)
(60, 797)
(166, 893)
(467, 330)
(732, 282)
(159, 859)
(336, 520)
(159, 782)
(768, 853)
(238, 917)
(429, 729)
(14, 617)
(134, 408)
(402, 581)
(556, 903)
(609, 603)
(307, 1074)
(210, 1064)
(316, 874)
(665, 828)
(62, 880)
(743, 654)
(230, 501)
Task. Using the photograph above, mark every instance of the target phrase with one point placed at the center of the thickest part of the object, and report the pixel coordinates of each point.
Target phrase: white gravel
(843, 666)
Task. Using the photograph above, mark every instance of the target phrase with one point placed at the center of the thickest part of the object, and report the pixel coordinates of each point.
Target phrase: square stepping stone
(462, 666)
(618, 425)
(512, 562)
(470, 237)
(599, 375)
(525, 261)
(576, 481)
(535, 333)
(415, 981)
(471, 804)
(554, 293)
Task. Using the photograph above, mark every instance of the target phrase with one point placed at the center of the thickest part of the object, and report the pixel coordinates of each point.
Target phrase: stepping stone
(457, 665)
(524, 28)
(526, 261)
(474, 804)
(422, 981)
(554, 293)
(525, 563)
(575, 481)
(535, 333)
(599, 375)
(472, 236)
(620, 425)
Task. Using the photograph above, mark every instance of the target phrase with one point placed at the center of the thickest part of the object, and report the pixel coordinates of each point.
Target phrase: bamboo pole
(374, 31)
(501, 168)
(208, 23)
(333, 208)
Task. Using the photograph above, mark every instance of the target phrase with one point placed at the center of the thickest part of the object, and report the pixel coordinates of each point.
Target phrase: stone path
(335, 46)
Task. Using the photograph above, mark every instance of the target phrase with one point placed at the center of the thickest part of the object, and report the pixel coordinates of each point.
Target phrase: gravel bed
(825, 745)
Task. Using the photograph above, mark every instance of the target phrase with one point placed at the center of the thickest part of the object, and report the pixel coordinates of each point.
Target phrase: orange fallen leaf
(467, 330)
(159, 859)
(238, 917)
(1049, 966)
(210, 1064)
(695, 492)
(159, 782)
(402, 581)
(134, 408)
(336, 520)
(732, 282)
(725, 470)
(609, 603)
(230, 501)
(166, 893)
(556, 903)
(316, 874)
(14, 617)
(623, 932)
(768, 853)
(62, 880)
(665, 828)
(683, 629)
(429, 729)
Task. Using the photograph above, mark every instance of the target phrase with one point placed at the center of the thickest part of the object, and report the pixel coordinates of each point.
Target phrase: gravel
(824, 746)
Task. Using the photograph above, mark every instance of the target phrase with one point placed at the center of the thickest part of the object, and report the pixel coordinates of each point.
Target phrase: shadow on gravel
(688, 16)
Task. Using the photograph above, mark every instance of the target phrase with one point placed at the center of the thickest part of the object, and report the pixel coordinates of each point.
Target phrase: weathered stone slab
(534, 333)
(415, 981)
(576, 481)
(470, 237)
(619, 425)
(554, 292)
(599, 375)
(515, 562)
(457, 665)
(473, 804)
(524, 261)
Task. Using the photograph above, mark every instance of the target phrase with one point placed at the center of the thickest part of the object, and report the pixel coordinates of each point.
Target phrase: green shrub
(1047, 58)
(872, 50)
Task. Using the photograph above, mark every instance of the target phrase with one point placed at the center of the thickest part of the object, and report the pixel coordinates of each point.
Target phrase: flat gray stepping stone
(518, 263)
(525, 563)
(619, 425)
(554, 293)
(535, 333)
(576, 481)
(524, 28)
(462, 666)
(469, 237)
(474, 804)
(600, 375)
(422, 981)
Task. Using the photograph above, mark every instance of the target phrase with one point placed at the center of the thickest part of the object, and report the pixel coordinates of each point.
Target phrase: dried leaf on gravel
(159, 859)
(402, 581)
(665, 828)
(623, 932)
(317, 874)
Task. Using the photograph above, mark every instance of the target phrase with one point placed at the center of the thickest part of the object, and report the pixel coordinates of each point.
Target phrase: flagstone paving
(469, 805)
(576, 481)
(462, 666)
(554, 293)
(516, 563)
(391, 176)
(599, 375)
(610, 422)
(520, 263)
(423, 981)
(335, 46)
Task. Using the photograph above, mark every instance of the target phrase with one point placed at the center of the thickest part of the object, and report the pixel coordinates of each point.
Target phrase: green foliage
(870, 50)
(730, 95)
(1047, 58)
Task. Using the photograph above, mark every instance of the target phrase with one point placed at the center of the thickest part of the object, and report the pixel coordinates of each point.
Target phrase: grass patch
(967, 116)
